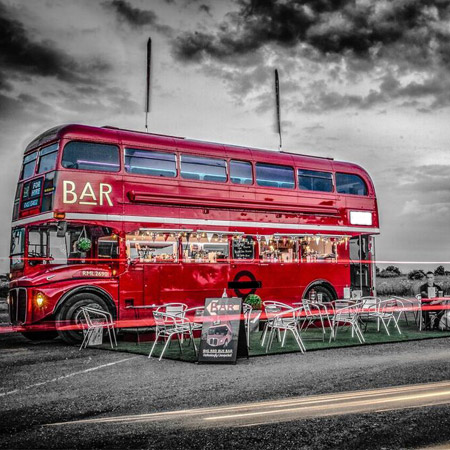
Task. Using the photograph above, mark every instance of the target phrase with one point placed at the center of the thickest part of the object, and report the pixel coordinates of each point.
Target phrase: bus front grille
(17, 305)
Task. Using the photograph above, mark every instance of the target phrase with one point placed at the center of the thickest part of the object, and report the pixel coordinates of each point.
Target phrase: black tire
(70, 314)
(327, 294)
(40, 335)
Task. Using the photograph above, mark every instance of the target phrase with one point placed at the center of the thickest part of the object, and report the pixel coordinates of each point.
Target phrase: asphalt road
(54, 396)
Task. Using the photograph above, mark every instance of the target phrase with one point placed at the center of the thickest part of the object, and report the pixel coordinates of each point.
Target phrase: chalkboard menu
(31, 194)
(223, 332)
(243, 248)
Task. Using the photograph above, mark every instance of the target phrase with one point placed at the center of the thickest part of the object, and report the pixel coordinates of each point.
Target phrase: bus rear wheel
(40, 335)
(70, 317)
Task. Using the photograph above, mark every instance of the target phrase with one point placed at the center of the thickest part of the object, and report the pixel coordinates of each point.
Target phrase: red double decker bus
(119, 219)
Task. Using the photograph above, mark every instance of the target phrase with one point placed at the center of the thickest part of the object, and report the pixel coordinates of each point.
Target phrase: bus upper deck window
(241, 172)
(47, 158)
(347, 183)
(29, 165)
(91, 156)
(313, 180)
(204, 169)
(272, 175)
(144, 162)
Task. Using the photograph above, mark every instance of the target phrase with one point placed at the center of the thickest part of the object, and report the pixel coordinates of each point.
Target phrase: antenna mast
(149, 65)
(277, 99)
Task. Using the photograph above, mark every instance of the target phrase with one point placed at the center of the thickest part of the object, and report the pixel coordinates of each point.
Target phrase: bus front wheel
(69, 315)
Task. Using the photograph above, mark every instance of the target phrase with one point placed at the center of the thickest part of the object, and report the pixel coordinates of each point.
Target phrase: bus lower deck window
(148, 247)
(278, 250)
(205, 249)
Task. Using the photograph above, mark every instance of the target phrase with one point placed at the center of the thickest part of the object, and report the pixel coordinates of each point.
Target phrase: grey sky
(363, 81)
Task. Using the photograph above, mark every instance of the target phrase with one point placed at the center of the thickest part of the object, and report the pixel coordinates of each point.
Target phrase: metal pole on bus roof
(277, 99)
(149, 64)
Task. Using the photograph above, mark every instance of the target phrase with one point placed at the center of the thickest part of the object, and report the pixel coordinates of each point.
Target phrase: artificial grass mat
(312, 339)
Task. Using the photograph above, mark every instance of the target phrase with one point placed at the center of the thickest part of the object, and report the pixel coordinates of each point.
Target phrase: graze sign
(87, 193)
(223, 336)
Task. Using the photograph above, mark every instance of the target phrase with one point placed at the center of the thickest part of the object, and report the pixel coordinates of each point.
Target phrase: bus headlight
(40, 299)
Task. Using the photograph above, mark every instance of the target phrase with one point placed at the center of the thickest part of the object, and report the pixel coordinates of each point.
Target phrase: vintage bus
(119, 219)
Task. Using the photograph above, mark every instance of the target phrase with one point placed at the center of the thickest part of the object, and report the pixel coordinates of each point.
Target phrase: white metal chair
(97, 319)
(313, 313)
(195, 317)
(347, 313)
(408, 305)
(172, 309)
(169, 326)
(388, 310)
(271, 309)
(383, 311)
(286, 320)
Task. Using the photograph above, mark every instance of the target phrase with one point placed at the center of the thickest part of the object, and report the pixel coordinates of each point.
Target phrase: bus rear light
(59, 215)
(360, 217)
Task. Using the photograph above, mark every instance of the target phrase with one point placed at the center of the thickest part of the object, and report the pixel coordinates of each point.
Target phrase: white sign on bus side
(87, 195)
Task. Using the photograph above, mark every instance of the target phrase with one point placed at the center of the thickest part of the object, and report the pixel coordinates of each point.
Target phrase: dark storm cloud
(136, 17)
(20, 55)
(398, 38)
(362, 29)
(24, 105)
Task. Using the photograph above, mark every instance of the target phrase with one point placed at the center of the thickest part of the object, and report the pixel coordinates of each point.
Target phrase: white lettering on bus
(67, 191)
(88, 192)
(87, 195)
(105, 190)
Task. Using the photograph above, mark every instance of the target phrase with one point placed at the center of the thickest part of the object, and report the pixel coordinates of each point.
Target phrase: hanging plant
(84, 244)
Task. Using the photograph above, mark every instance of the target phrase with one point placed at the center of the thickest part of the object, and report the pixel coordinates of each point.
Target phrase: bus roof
(133, 136)
(161, 141)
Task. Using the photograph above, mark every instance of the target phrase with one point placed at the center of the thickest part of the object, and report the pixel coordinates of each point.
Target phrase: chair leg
(396, 324)
(165, 346)
(263, 337)
(358, 332)
(385, 326)
(85, 339)
(154, 344)
(270, 339)
(299, 340)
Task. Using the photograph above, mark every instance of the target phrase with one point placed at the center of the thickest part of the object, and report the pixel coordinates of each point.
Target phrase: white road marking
(63, 377)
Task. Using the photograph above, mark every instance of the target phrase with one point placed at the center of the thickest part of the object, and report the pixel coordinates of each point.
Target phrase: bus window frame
(195, 155)
(57, 151)
(124, 148)
(263, 163)
(367, 194)
(36, 151)
(112, 144)
(252, 166)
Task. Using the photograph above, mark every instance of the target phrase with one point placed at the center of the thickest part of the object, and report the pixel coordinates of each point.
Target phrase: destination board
(31, 194)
